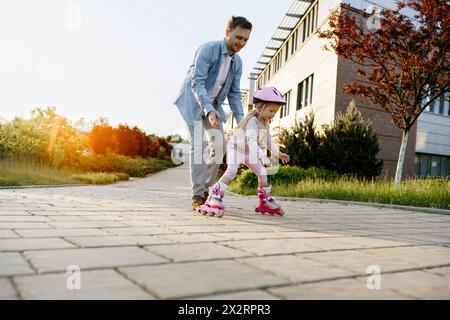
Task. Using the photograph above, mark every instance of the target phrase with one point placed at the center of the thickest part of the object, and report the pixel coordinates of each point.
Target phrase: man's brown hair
(242, 22)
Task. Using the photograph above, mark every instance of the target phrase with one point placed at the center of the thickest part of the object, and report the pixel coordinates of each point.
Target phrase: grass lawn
(416, 192)
(25, 172)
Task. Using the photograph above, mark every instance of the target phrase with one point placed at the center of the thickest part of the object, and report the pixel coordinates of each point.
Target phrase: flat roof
(290, 20)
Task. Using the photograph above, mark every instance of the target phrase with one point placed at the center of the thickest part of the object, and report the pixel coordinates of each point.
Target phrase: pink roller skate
(267, 204)
(213, 206)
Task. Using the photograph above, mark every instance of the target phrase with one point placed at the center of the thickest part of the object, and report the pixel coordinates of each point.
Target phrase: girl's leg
(234, 159)
(260, 172)
(229, 174)
(214, 204)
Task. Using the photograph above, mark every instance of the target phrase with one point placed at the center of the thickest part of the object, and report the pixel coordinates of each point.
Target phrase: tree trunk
(401, 158)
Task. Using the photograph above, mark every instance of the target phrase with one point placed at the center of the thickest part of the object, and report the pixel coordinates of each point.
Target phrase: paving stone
(8, 234)
(105, 218)
(22, 218)
(344, 289)
(50, 233)
(7, 291)
(213, 228)
(245, 295)
(358, 262)
(12, 263)
(191, 238)
(196, 251)
(33, 244)
(94, 285)
(67, 218)
(24, 225)
(276, 235)
(424, 256)
(129, 231)
(295, 268)
(86, 224)
(117, 241)
(445, 271)
(199, 278)
(13, 213)
(92, 258)
(271, 246)
(418, 284)
(428, 238)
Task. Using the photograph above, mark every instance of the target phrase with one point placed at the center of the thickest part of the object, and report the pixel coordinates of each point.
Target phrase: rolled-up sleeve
(200, 73)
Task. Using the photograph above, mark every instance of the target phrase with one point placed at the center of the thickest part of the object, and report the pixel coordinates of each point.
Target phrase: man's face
(237, 39)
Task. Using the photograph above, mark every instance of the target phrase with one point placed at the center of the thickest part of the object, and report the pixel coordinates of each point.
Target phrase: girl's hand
(265, 161)
(284, 158)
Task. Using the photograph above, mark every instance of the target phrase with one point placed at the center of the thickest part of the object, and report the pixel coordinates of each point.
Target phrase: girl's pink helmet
(268, 94)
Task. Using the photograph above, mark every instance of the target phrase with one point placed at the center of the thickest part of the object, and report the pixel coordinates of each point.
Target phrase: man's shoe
(198, 202)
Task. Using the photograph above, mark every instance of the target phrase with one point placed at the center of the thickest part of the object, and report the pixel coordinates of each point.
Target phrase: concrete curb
(65, 185)
(367, 204)
(44, 186)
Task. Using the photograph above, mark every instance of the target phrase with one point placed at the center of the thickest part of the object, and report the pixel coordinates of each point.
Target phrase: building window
(306, 26)
(287, 51)
(439, 106)
(286, 108)
(294, 42)
(305, 92)
(299, 95)
(427, 165)
(312, 19)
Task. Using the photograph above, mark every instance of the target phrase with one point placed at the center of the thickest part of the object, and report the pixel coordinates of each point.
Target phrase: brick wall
(388, 134)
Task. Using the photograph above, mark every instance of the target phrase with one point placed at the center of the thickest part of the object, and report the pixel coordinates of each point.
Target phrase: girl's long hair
(251, 114)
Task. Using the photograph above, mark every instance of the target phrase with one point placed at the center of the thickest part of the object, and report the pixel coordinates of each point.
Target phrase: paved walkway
(140, 240)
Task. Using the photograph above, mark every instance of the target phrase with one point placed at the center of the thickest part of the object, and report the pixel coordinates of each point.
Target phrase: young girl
(249, 145)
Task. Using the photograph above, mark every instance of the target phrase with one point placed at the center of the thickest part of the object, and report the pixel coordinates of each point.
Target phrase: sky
(120, 59)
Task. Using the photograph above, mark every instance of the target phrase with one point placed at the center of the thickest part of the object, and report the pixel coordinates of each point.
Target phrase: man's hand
(212, 117)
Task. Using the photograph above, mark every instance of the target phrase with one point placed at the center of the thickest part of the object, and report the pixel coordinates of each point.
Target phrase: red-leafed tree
(131, 141)
(403, 62)
(102, 138)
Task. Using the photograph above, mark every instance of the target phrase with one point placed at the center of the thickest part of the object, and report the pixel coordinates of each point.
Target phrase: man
(214, 76)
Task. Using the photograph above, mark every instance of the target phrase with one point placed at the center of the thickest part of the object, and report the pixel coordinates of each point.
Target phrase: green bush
(45, 137)
(302, 143)
(350, 146)
(134, 167)
(100, 178)
(286, 175)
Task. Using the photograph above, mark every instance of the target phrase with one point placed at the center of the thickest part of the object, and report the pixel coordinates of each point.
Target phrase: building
(295, 62)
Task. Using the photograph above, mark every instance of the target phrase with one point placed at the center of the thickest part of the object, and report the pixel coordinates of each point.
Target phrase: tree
(404, 64)
(132, 142)
(102, 138)
(350, 145)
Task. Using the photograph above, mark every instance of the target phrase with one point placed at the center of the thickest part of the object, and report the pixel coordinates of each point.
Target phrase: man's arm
(200, 74)
(235, 96)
